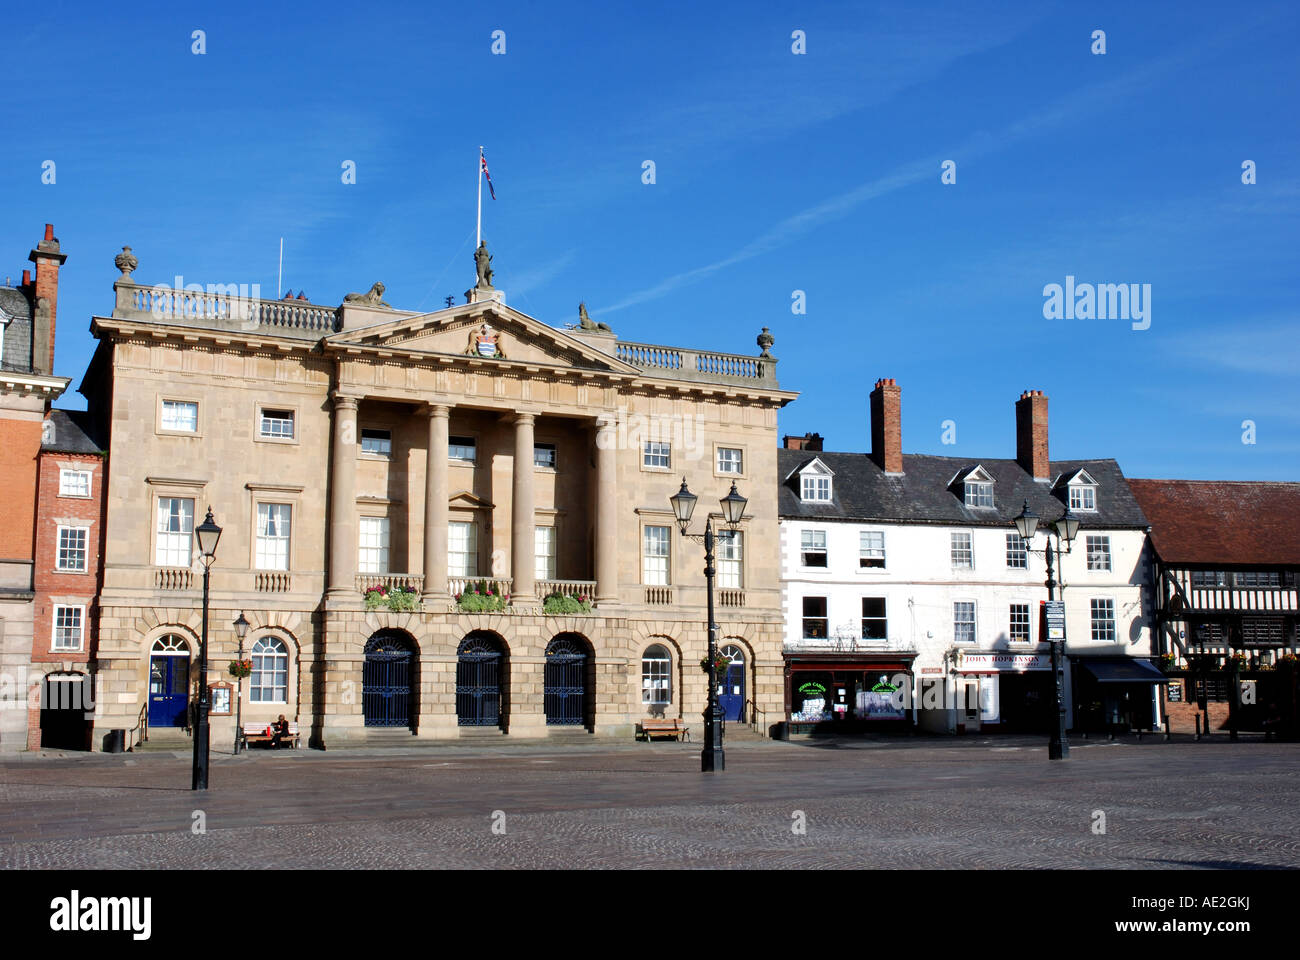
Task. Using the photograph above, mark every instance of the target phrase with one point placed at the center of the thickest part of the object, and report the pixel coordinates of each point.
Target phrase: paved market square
(906, 803)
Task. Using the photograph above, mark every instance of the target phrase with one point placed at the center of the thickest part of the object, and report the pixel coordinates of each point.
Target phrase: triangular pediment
(469, 501)
(484, 331)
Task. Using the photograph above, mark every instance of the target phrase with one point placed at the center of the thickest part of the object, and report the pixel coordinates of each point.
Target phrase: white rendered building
(909, 598)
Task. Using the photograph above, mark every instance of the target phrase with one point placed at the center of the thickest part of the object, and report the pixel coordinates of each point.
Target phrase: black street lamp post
(208, 534)
(241, 630)
(712, 758)
(1065, 528)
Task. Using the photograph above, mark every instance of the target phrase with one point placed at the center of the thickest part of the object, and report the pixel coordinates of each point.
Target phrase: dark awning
(1126, 670)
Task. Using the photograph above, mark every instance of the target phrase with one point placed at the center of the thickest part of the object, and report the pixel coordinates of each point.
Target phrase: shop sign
(1174, 691)
(1005, 662)
(932, 670)
(812, 687)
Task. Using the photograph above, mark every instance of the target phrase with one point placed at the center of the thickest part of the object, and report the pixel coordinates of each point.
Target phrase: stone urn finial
(126, 262)
(765, 341)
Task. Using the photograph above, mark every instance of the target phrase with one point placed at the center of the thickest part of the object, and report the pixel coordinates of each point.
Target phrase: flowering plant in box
(482, 597)
(562, 603)
(394, 599)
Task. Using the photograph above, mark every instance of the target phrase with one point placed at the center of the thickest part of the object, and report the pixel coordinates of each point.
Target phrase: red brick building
(27, 389)
(69, 546)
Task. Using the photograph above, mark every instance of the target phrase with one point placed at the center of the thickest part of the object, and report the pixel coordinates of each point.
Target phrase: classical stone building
(27, 389)
(436, 523)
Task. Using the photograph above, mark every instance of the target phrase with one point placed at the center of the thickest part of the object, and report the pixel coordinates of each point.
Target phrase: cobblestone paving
(958, 804)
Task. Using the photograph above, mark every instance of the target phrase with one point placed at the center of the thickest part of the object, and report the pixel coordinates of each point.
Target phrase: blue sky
(774, 172)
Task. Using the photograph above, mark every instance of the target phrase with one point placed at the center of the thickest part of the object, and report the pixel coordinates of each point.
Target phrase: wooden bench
(675, 728)
(256, 733)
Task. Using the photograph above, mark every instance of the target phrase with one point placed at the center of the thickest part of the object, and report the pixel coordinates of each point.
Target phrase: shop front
(848, 693)
(1004, 692)
(1115, 694)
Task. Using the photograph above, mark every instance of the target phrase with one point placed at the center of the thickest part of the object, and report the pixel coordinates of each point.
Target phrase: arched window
(269, 682)
(656, 675)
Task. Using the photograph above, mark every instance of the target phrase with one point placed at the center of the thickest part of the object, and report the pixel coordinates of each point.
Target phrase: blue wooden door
(731, 689)
(169, 691)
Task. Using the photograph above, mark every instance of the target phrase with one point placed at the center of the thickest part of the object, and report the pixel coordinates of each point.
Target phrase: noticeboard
(1174, 691)
(1054, 615)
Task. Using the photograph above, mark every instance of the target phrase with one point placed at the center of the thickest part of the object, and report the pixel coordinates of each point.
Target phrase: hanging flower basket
(720, 663)
(241, 668)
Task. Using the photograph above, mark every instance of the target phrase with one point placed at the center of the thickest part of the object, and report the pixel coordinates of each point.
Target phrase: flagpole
(478, 227)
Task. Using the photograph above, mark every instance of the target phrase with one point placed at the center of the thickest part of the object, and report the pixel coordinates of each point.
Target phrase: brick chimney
(887, 426)
(45, 300)
(809, 441)
(1031, 434)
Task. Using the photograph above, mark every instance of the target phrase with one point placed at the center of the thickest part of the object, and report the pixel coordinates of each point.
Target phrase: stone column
(606, 539)
(522, 547)
(343, 499)
(435, 506)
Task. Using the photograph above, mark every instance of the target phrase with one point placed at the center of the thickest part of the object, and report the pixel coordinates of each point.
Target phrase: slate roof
(862, 491)
(18, 333)
(1222, 522)
(74, 432)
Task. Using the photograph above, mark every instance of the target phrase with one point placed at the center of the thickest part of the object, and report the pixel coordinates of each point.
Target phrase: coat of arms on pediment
(486, 341)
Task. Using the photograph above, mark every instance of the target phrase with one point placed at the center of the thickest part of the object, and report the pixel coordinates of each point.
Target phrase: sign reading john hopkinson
(1004, 662)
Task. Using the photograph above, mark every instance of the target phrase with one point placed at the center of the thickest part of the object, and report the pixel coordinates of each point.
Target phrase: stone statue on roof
(374, 297)
(586, 323)
(482, 264)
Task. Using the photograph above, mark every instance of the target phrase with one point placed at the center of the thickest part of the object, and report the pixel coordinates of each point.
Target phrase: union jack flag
(483, 163)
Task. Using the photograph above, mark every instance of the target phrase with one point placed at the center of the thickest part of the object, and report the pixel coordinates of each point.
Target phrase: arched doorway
(169, 682)
(731, 688)
(566, 682)
(388, 680)
(67, 706)
(480, 670)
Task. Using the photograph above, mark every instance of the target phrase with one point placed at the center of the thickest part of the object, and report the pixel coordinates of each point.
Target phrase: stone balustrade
(659, 596)
(573, 588)
(679, 364)
(409, 582)
(173, 578)
(458, 585)
(223, 306)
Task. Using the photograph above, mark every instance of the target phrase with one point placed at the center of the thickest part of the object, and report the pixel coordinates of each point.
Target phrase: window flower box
(560, 604)
(380, 597)
(482, 597)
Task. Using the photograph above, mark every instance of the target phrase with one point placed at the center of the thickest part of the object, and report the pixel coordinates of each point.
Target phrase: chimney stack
(887, 426)
(45, 300)
(809, 441)
(1031, 434)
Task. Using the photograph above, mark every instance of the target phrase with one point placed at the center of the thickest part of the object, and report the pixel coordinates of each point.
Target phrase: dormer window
(816, 489)
(814, 482)
(1083, 497)
(1082, 491)
(979, 493)
(976, 487)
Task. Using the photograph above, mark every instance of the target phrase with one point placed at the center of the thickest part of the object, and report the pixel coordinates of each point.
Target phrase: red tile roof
(1222, 522)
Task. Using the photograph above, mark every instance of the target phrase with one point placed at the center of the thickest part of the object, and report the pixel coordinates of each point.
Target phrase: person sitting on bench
(279, 730)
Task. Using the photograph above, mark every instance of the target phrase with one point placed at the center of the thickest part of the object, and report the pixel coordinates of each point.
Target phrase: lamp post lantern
(208, 533)
(1065, 528)
(241, 631)
(712, 757)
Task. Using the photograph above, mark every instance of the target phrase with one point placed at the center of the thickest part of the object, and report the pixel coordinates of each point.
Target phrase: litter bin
(115, 741)
(781, 730)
